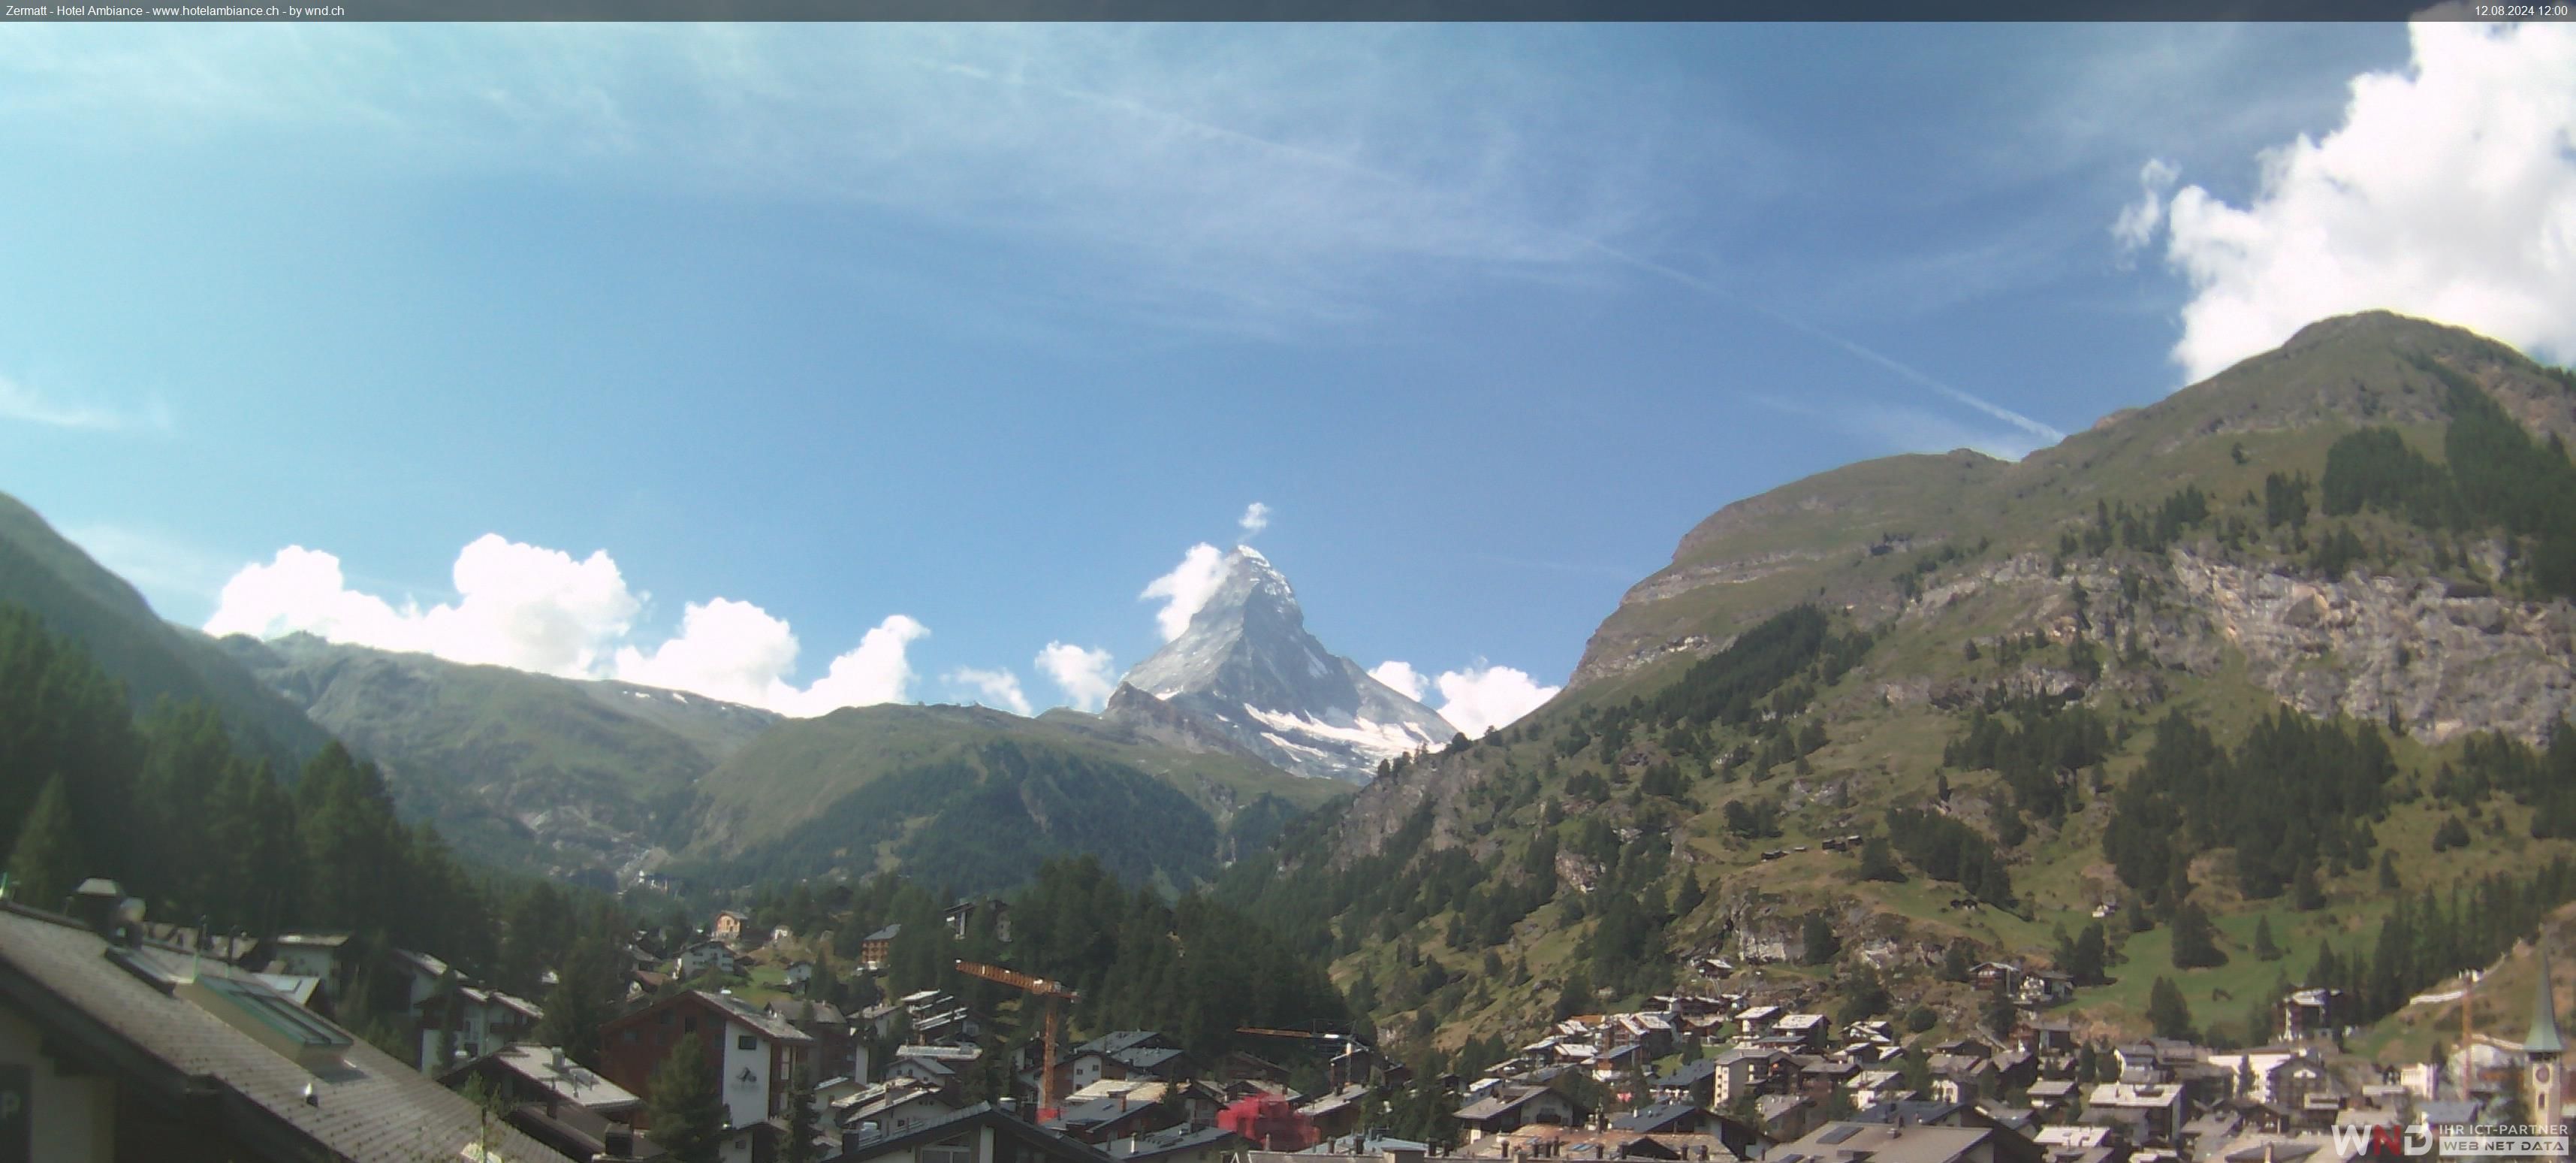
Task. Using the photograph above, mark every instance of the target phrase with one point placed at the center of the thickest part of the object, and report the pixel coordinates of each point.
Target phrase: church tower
(2542, 1047)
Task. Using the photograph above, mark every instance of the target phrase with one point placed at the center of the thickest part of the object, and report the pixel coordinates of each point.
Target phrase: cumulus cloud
(996, 688)
(2448, 192)
(1401, 676)
(517, 605)
(1085, 676)
(1474, 700)
(1256, 517)
(1186, 588)
(537, 609)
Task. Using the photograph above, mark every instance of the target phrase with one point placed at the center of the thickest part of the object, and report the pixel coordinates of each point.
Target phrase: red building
(753, 1055)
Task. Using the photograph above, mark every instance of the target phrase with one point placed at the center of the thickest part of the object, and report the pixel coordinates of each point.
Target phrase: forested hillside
(2258, 685)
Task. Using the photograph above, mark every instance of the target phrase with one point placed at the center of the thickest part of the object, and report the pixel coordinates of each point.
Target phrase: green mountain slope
(2038, 688)
(569, 775)
(78, 598)
(975, 798)
(520, 769)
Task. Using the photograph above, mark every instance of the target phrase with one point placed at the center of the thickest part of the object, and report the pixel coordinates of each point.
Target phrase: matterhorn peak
(1247, 668)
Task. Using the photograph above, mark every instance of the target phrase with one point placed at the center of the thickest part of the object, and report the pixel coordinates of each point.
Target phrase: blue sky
(984, 327)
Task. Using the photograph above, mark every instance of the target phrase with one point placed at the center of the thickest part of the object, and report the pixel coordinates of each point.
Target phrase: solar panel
(1840, 1133)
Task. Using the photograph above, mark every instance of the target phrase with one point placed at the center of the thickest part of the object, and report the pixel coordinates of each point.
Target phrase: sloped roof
(1051, 1143)
(60, 978)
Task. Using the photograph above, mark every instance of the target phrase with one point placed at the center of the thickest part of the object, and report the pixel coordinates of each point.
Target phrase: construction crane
(1055, 994)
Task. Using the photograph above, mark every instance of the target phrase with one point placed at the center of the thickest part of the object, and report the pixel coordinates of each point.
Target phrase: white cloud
(1086, 676)
(1256, 517)
(517, 605)
(537, 609)
(27, 406)
(998, 688)
(2138, 221)
(2449, 192)
(1400, 675)
(1474, 700)
(1186, 588)
(738, 652)
(726, 649)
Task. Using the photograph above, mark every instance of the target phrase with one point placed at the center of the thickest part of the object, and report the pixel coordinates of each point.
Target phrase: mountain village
(1737, 1072)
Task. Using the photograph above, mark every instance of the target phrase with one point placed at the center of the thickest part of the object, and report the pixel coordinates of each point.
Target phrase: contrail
(1911, 375)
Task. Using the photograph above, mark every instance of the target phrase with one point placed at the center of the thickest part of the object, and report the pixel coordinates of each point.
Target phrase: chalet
(799, 974)
(877, 946)
(466, 1022)
(422, 975)
(1810, 1031)
(2154, 1110)
(753, 1054)
(1995, 976)
(705, 957)
(311, 955)
(2052, 1096)
(961, 917)
(1121, 1116)
(891, 1107)
(2044, 988)
(553, 1100)
(1630, 1058)
(2256, 1066)
(836, 1042)
(781, 934)
(2309, 1013)
(1872, 1087)
(1691, 1082)
(729, 926)
(941, 1066)
(116, 1050)
(977, 1134)
(1126, 1054)
(1749, 1070)
(1338, 1113)
(1670, 1118)
(1511, 1107)
(1756, 1020)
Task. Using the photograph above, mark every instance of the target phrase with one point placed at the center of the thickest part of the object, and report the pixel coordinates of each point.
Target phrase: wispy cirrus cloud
(26, 405)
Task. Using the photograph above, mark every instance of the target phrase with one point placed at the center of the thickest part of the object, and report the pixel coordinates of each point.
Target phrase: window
(630, 1035)
(746, 1042)
(954, 1152)
(689, 1025)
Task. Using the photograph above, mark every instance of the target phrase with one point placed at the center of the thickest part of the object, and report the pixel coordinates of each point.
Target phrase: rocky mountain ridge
(1247, 672)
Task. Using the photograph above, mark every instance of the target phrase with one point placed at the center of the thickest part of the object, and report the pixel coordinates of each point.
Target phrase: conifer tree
(2167, 1011)
(2195, 939)
(799, 1147)
(46, 863)
(686, 1108)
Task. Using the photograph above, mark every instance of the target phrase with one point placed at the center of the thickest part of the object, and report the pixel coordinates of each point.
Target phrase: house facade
(753, 1055)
